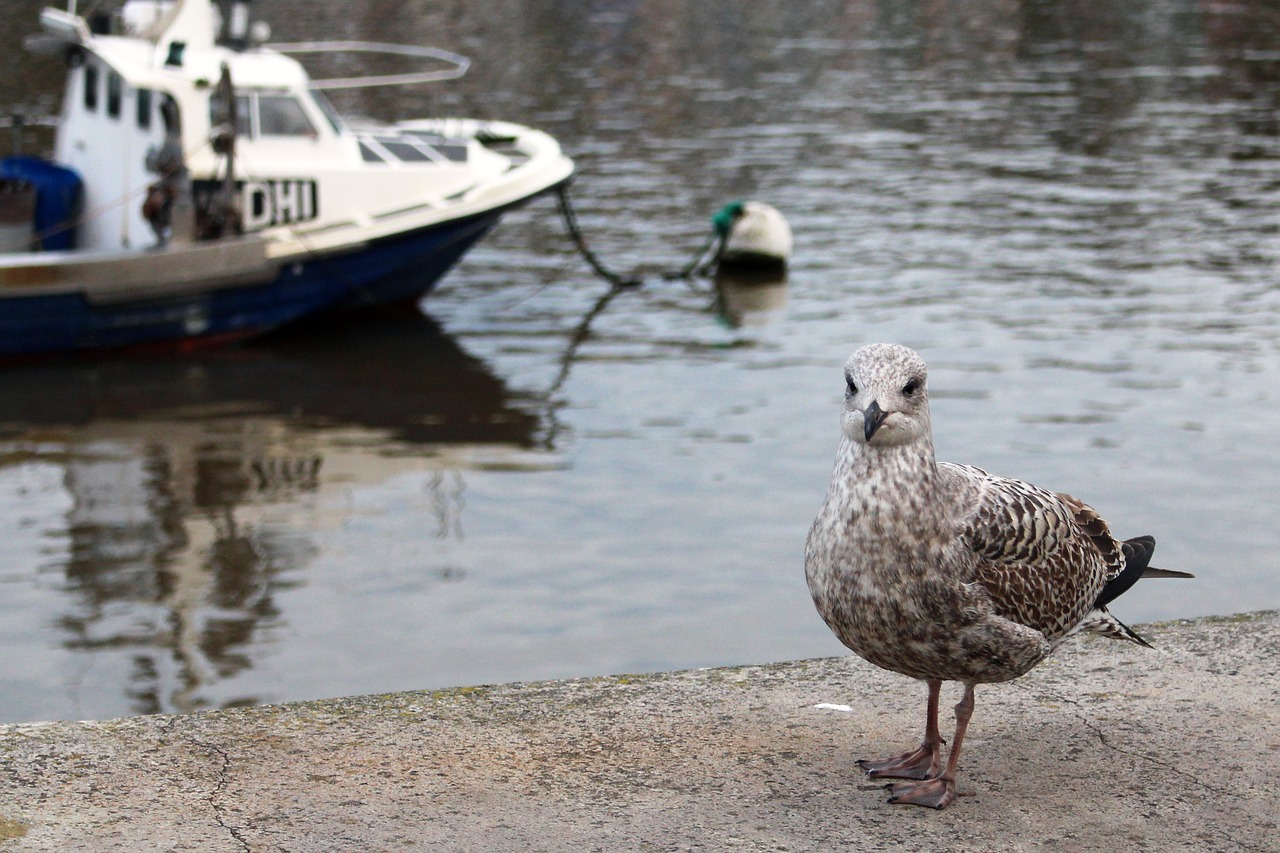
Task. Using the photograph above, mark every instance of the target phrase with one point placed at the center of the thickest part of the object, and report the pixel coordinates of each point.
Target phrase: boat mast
(222, 215)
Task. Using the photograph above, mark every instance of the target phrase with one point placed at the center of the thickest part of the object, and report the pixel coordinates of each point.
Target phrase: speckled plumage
(944, 572)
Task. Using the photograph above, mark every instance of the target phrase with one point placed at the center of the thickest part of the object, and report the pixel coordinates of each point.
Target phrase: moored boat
(203, 190)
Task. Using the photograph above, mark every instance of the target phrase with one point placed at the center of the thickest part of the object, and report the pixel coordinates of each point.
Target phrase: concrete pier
(1106, 746)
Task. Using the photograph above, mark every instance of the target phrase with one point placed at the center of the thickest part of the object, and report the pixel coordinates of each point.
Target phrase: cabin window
(144, 109)
(244, 115)
(282, 115)
(261, 114)
(115, 91)
(369, 155)
(90, 87)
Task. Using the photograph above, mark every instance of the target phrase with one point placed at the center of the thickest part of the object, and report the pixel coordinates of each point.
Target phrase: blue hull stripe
(395, 269)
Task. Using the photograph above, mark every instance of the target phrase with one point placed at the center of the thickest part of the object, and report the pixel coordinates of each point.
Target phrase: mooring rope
(703, 261)
(575, 233)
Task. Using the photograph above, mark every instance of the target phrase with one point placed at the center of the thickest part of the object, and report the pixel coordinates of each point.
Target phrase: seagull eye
(852, 389)
(911, 387)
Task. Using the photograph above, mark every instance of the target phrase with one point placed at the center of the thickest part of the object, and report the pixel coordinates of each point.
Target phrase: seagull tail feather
(1100, 621)
(1153, 572)
(1137, 558)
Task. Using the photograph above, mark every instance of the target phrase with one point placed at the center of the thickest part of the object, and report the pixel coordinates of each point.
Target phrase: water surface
(1068, 208)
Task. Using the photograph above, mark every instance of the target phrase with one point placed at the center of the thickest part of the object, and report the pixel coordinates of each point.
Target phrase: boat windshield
(261, 114)
(326, 107)
(282, 115)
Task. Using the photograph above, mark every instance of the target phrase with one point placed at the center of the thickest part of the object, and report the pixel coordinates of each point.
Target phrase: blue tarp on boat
(58, 194)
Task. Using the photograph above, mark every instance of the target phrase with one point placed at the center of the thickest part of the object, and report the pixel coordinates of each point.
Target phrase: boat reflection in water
(175, 477)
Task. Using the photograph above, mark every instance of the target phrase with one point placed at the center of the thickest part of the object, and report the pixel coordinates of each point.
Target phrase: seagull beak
(872, 418)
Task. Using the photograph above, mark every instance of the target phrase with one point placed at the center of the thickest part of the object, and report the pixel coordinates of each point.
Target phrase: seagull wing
(1042, 557)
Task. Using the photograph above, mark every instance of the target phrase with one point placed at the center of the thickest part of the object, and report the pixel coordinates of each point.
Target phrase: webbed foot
(922, 763)
(932, 793)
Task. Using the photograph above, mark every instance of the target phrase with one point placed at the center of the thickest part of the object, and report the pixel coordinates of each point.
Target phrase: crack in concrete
(224, 779)
(1167, 765)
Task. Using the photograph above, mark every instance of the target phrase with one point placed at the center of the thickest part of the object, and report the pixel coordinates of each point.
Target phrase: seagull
(944, 572)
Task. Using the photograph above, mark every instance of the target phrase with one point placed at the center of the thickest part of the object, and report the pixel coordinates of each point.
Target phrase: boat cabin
(147, 123)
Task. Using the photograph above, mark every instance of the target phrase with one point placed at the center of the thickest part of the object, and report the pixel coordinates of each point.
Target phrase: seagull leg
(938, 792)
(924, 762)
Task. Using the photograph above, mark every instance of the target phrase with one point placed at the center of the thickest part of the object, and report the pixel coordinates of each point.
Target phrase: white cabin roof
(142, 65)
(143, 60)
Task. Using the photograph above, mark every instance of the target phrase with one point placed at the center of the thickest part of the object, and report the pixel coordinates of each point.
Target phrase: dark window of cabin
(90, 87)
(115, 91)
(219, 114)
(144, 109)
(369, 155)
(282, 115)
(244, 115)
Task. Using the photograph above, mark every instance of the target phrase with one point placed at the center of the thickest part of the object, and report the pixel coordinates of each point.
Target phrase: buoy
(749, 240)
(752, 234)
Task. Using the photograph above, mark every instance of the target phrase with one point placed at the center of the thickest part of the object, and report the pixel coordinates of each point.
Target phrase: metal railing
(459, 62)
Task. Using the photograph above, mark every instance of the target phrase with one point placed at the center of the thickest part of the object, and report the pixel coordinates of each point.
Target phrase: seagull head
(886, 398)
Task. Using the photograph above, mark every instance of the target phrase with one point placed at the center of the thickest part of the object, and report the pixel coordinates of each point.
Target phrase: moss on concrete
(10, 828)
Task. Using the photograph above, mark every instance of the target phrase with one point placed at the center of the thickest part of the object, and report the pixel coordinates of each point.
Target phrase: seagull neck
(893, 461)
(881, 481)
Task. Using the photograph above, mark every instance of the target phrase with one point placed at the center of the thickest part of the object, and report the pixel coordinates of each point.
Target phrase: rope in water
(575, 233)
(701, 264)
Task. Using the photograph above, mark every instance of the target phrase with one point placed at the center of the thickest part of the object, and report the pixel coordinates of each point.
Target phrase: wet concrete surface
(1107, 746)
